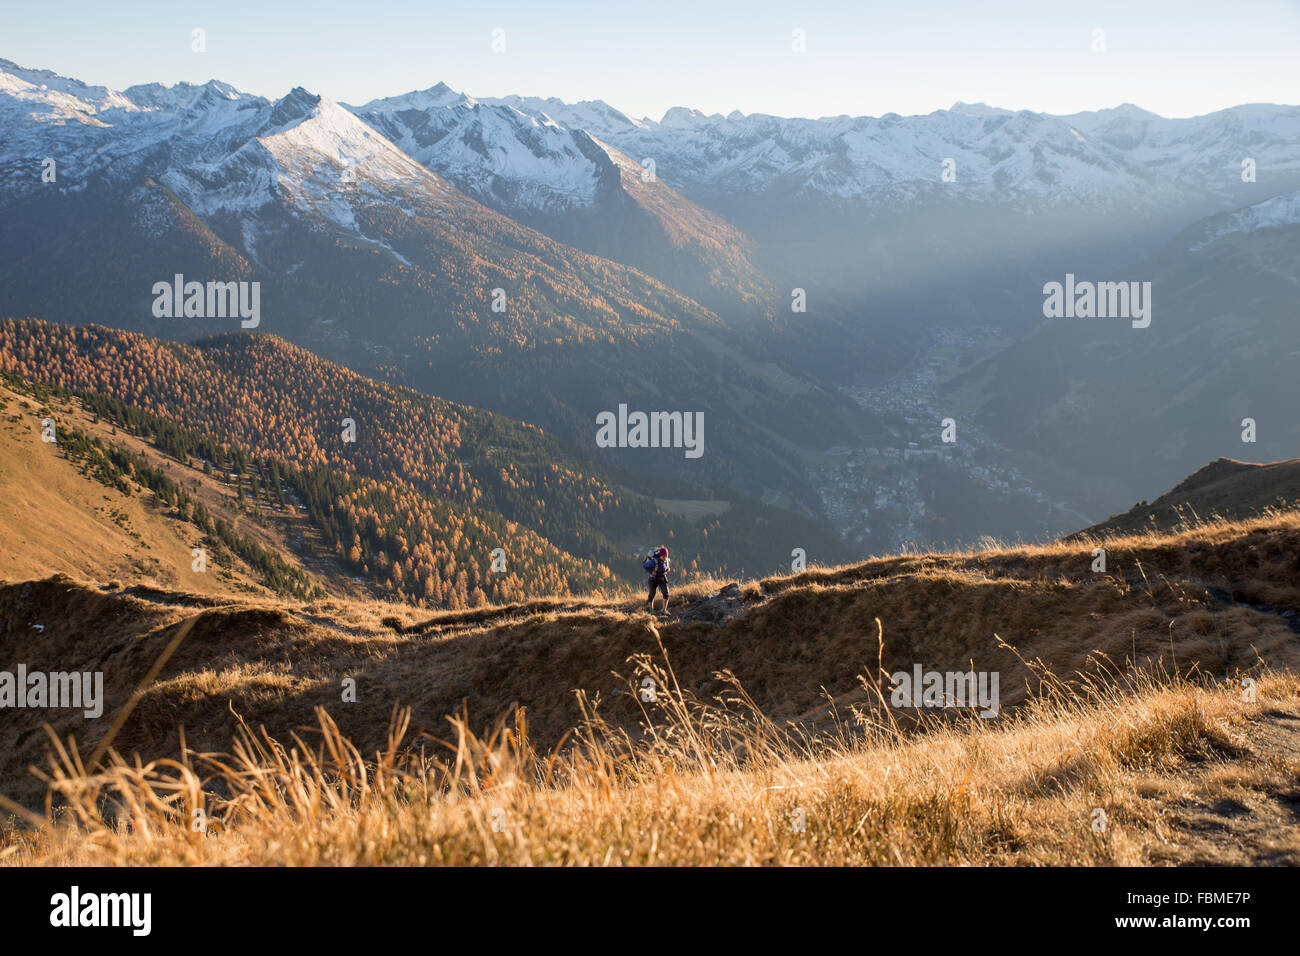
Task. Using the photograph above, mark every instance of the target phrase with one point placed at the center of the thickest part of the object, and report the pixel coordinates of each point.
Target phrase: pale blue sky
(1176, 58)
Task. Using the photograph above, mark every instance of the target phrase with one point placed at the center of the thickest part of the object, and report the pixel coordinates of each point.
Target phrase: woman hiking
(656, 565)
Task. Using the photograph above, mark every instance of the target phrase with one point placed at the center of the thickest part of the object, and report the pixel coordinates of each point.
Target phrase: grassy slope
(1006, 786)
(53, 519)
(1224, 488)
(1145, 774)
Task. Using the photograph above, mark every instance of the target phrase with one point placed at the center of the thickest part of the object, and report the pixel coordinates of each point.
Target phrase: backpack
(648, 565)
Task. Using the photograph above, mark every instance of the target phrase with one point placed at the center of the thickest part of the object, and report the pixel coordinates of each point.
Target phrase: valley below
(911, 490)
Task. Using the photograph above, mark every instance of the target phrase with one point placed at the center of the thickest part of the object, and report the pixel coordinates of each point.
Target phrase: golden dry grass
(55, 520)
(708, 784)
(770, 719)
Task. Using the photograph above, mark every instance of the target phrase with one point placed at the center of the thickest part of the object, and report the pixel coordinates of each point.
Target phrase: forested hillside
(413, 493)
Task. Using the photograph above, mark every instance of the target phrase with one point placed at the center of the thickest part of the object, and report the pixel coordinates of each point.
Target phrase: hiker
(656, 565)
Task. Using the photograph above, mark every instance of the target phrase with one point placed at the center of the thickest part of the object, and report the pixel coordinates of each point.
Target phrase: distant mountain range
(550, 261)
(367, 257)
(858, 210)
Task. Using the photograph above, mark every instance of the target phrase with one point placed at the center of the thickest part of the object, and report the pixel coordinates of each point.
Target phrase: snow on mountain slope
(222, 152)
(994, 154)
(1206, 151)
(276, 181)
(181, 96)
(565, 181)
(96, 132)
(595, 116)
(512, 157)
(324, 129)
(1074, 183)
(1273, 213)
(538, 153)
(310, 151)
(493, 152)
(889, 157)
(64, 98)
(998, 154)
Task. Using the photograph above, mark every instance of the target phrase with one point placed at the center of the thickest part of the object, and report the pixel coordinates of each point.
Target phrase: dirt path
(1243, 812)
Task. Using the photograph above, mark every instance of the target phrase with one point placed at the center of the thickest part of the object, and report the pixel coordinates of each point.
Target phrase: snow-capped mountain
(51, 97)
(568, 183)
(1106, 155)
(728, 208)
(936, 215)
(595, 116)
(94, 132)
(892, 218)
(527, 161)
(990, 154)
(856, 206)
(317, 158)
(252, 170)
(1276, 213)
(1205, 152)
(529, 153)
(533, 155)
(367, 256)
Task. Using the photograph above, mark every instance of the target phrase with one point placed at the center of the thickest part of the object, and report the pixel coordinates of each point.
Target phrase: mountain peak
(1124, 111)
(300, 95)
(294, 106)
(682, 117)
(1129, 109)
(974, 109)
(67, 94)
(176, 96)
(438, 95)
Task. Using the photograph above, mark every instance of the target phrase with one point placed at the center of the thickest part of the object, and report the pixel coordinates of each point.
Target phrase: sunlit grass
(704, 783)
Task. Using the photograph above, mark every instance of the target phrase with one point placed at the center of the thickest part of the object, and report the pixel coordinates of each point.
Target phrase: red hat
(663, 552)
